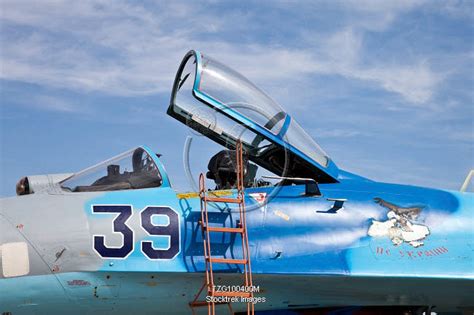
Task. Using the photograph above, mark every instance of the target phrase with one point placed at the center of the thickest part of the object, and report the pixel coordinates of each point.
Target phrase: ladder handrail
(247, 270)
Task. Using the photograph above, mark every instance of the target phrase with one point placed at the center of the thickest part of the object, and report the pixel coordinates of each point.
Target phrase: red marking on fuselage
(410, 254)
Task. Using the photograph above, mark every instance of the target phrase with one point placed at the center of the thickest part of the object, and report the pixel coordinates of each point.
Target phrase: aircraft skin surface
(140, 250)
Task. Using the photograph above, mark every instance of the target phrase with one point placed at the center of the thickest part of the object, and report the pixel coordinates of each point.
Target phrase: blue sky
(385, 87)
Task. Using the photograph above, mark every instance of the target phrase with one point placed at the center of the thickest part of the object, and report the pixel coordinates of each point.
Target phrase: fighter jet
(309, 238)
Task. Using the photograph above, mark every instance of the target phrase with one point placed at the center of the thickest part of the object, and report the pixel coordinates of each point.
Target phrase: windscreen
(134, 169)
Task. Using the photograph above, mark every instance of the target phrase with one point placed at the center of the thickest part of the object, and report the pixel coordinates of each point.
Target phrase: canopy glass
(225, 106)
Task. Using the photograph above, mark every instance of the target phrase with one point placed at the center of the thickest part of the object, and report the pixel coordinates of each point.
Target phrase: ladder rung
(220, 199)
(230, 294)
(224, 229)
(228, 261)
(203, 303)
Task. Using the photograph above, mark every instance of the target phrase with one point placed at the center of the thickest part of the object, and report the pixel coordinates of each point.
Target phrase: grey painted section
(56, 230)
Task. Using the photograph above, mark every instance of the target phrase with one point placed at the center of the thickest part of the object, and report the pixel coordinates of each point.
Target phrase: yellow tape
(187, 195)
(221, 193)
(217, 193)
(282, 215)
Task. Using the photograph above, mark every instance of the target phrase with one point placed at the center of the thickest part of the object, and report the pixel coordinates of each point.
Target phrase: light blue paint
(317, 249)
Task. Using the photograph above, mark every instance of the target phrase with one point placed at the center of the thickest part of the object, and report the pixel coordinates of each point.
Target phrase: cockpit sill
(107, 176)
(49, 183)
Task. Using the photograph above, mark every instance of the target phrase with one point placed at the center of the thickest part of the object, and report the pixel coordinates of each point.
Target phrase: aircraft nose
(14, 250)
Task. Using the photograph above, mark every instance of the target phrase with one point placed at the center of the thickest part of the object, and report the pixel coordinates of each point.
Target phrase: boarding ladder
(240, 229)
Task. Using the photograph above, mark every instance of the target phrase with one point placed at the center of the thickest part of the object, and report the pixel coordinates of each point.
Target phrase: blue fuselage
(387, 245)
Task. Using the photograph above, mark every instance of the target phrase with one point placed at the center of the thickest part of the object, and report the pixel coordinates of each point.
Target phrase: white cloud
(342, 52)
(417, 83)
(48, 102)
(53, 103)
(374, 15)
(126, 49)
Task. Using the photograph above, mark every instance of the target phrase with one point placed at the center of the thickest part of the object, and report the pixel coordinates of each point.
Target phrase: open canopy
(224, 106)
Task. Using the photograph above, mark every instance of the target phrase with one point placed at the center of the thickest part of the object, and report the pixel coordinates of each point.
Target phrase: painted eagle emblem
(400, 226)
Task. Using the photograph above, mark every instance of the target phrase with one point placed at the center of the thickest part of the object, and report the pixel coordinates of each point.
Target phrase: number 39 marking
(124, 212)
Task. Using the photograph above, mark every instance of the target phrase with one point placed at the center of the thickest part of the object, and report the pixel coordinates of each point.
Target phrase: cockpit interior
(134, 169)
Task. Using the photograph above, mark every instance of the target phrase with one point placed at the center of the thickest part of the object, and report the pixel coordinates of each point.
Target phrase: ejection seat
(222, 169)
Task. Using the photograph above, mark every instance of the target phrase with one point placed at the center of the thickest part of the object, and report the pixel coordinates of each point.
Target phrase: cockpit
(134, 169)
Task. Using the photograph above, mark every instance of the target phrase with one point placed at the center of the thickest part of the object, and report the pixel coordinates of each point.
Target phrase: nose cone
(17, 257)
(18, 261)
(14, 258)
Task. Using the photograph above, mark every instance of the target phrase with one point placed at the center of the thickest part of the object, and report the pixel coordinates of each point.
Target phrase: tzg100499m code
(236, 288)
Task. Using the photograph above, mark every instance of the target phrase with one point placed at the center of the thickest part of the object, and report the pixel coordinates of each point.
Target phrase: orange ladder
(240, 229)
